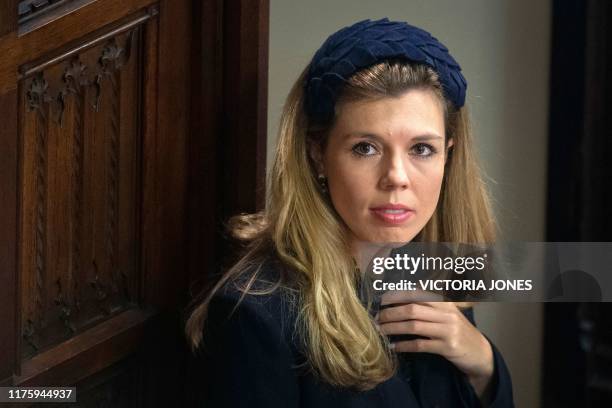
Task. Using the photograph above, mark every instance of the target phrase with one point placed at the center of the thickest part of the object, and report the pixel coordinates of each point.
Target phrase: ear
(316, 155)
(449, 144)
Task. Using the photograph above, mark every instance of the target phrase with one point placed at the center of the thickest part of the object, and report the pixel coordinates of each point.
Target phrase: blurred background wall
(503, 48)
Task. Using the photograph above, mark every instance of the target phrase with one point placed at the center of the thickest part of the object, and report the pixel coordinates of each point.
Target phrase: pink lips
(392, 213)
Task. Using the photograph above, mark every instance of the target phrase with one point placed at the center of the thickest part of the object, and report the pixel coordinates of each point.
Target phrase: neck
(363, 252)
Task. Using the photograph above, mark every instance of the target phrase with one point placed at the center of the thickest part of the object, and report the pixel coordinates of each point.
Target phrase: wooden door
(110, 182)
(129, 130)
(92, 97)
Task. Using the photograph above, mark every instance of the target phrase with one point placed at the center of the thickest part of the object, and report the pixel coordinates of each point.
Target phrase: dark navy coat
(251, 357)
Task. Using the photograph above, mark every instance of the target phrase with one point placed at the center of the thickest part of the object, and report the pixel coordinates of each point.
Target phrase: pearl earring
(322, 183)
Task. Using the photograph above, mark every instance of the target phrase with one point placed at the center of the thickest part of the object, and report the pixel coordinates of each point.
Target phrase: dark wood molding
(246, 32)
(88, 353)
(577, 339)
(596, 223)
(48, 13)
(8, 16)
(164, 158)
(229, 101)
(9, 182)
(580, 112)
(91, 40)
(18, 50)
(566, 119)
(206, 112)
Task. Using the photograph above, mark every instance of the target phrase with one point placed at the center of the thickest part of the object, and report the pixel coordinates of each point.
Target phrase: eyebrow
(420, 138)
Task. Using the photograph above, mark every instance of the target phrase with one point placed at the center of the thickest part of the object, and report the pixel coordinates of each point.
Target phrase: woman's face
(384, 163)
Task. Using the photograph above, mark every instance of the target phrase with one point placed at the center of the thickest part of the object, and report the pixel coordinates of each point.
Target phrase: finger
(419, 346)
(410, 311)
(418, 327)
(406, 296)
(441, 305)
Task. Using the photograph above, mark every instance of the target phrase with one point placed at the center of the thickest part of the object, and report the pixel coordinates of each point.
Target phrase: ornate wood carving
(80, 173)
(82, 326)
(38, 99)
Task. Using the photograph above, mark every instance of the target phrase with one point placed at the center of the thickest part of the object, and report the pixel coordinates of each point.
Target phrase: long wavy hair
(300, 227)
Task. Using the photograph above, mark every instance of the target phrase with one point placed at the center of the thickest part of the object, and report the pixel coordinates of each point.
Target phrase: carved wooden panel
(110, 113)
(80, 188)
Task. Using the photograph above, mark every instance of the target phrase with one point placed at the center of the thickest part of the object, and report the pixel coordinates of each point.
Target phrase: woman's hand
(449, 333)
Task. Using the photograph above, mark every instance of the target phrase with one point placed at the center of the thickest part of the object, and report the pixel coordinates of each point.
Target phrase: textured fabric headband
(366, 43)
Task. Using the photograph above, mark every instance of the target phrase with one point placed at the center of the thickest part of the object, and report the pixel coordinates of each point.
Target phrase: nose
(395, 173)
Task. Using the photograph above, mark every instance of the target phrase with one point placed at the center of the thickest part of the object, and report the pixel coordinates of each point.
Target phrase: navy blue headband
(369, 42)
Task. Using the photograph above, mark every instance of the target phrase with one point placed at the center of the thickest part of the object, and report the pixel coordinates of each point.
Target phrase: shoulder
(265, 288)
(246, 349)
(266, 310)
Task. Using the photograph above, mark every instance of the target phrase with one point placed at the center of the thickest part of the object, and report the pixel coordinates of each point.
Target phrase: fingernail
(392, 346)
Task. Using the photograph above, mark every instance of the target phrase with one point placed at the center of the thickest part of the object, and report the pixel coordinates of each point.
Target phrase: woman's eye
(424, 150)
(364, 149)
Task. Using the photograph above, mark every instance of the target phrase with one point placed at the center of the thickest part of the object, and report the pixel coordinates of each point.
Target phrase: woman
(374, 147)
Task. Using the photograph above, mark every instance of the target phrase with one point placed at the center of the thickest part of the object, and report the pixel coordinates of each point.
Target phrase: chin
(390, 238)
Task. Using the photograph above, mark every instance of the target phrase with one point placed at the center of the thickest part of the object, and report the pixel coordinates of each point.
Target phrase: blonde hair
(300, 226)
